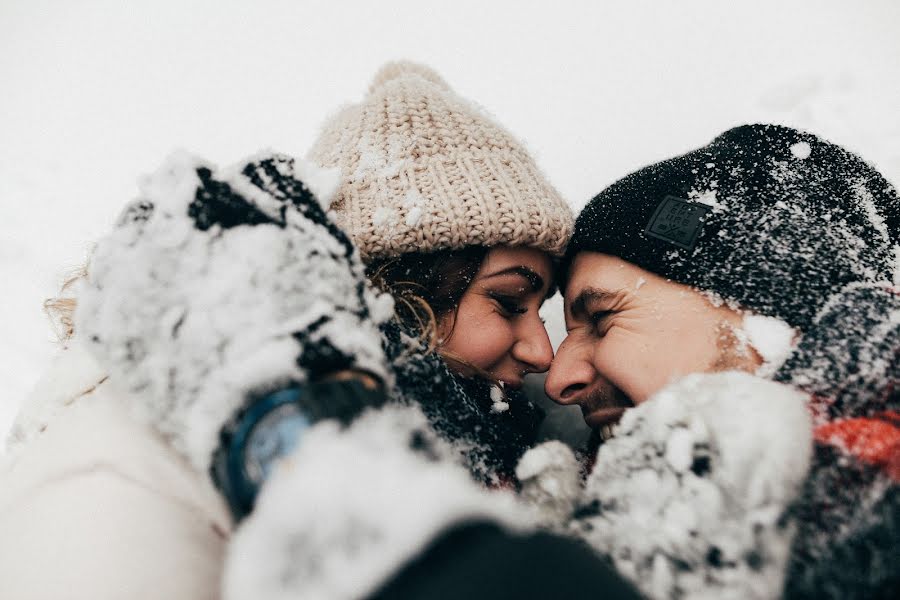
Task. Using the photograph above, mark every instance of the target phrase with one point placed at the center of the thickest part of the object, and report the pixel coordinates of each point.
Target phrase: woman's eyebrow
(535, 280)
(578, 306)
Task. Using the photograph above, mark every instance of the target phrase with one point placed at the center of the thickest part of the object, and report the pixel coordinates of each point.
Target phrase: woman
(453, 218)
(455, 221)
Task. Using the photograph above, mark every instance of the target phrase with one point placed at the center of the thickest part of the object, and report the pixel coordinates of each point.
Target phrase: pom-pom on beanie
(423, 169)
(765, 216)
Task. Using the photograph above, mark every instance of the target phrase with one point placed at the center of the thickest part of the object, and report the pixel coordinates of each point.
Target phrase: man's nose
(570, 373)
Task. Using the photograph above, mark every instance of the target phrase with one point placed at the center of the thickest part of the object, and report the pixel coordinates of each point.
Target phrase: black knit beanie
(766, 216)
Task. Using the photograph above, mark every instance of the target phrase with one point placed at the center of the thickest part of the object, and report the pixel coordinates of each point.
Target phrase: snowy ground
(93, 93)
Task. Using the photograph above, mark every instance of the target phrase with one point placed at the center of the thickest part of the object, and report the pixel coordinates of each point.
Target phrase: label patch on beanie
(677, 221)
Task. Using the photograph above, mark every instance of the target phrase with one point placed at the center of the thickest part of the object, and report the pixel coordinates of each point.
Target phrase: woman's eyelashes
(508, 305)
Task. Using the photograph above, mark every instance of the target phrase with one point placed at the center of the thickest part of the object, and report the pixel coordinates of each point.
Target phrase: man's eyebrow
(578, 307)
(535, 280)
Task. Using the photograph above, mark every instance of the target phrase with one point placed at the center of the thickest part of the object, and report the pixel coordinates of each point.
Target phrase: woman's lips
(515, 384)
(604, 417)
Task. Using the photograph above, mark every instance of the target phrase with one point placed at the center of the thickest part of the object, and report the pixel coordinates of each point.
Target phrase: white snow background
(94, 94)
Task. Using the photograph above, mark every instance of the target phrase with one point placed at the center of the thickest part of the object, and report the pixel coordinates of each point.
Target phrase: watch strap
(340, 399)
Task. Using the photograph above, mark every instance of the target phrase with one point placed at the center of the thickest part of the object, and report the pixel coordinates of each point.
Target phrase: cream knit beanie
(422, 169)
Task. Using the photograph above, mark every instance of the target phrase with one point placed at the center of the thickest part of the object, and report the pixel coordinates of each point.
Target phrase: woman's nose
(569, 374)
(534, 348)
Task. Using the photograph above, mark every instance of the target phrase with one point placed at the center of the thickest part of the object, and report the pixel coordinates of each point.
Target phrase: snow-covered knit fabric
(689, 499)
(550, 476)
(849, 359)
(349, 508)
(423, 169)
(459, 408)
(771, 218)
(848, 518)
(217, 284)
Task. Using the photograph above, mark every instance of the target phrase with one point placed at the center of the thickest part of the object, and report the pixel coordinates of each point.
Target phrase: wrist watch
(269, 426)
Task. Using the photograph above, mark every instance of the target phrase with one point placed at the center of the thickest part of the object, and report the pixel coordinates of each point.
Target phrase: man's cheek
(631, 371)
(613, 367)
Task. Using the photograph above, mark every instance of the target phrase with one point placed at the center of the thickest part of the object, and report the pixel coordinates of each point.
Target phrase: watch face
(272, 438)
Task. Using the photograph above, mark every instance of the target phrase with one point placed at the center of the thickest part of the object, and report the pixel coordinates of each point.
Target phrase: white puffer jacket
(95, 505)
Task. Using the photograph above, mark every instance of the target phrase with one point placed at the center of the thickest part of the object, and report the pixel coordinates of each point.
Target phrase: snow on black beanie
(769, 217)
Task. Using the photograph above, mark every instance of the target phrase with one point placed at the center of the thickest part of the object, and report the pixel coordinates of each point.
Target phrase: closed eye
(599, 315)
(508, 304)
(598, 319)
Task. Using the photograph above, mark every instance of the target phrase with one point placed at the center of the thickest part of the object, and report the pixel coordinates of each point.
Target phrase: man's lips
(604, 416)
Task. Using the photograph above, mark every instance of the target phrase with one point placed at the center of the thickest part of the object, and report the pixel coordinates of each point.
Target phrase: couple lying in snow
(284, 381)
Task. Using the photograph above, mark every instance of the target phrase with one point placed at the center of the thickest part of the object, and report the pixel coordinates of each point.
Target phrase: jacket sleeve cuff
(350, 507)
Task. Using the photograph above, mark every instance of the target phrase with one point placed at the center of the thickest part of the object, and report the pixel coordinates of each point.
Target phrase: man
(769, 251)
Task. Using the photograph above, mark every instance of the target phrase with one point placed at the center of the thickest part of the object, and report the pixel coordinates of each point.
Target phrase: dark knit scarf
(848, 516)
(459, 408)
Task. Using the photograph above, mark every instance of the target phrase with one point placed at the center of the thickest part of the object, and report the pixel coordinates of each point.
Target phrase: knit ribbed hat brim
(423, 170)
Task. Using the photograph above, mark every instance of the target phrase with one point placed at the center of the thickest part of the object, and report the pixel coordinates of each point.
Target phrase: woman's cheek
(494, 341)
(472, 341)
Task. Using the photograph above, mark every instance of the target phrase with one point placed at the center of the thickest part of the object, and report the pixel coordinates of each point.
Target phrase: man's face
(631, 332)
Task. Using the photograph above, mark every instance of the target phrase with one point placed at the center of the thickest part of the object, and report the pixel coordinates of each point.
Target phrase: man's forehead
(595, 277)
(589, 270)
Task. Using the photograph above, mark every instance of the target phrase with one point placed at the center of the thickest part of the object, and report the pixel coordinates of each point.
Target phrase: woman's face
(497, 328)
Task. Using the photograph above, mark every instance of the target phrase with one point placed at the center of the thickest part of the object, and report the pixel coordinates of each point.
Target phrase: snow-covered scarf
(731, 486)
(462, 409)
(848, 516)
